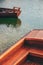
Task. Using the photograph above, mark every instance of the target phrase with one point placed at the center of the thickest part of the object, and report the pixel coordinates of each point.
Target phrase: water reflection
(15, 22)
(1, 1)
(8, 32)
(31, 17)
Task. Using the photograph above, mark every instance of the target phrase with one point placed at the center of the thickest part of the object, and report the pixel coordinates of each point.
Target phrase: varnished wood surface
(16, 57)
(36, 52)
(18, 53)
(35, 39)
(35, 34)
(13, 48)
(33, 60)
(30, 63)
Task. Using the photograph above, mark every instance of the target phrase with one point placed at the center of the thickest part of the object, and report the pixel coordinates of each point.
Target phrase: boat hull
(8, 15)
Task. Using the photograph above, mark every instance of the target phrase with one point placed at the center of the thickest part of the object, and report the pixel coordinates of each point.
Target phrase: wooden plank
(36, 52)
(35, 34)
(35, 38)
(12, 49)
(30, 63)
(16, 57)
(19, 52)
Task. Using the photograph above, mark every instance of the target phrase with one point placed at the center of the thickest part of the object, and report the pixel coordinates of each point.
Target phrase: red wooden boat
(25, 51)
(6, 12)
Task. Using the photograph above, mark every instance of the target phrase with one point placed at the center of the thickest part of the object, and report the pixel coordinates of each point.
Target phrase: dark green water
(10, 21)
(30, 18)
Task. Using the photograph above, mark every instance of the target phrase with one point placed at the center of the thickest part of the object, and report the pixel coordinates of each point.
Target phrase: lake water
(30, 18)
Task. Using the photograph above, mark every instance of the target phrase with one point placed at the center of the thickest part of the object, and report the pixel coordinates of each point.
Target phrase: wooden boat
(6, 12)
(24, 52)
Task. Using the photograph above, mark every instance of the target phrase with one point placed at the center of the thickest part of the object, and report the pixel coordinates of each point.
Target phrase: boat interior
(27, 51)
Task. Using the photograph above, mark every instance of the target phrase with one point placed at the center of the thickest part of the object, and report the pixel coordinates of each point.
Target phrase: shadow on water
(16, 22)
(2, 1)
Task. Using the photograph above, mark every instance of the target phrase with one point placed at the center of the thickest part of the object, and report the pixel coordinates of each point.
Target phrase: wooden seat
(35, 38)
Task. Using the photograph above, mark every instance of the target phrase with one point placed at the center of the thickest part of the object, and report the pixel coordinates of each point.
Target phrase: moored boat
(7, 12)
